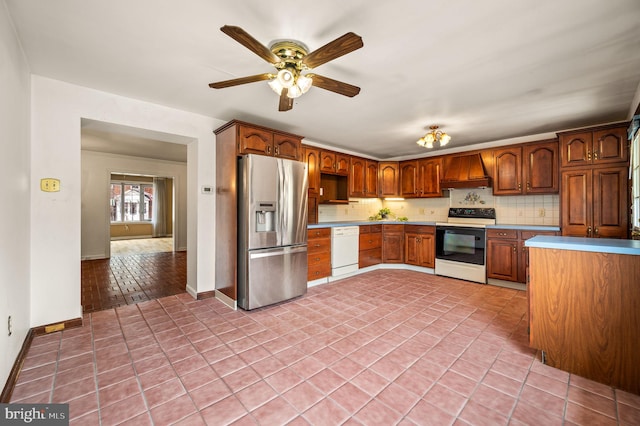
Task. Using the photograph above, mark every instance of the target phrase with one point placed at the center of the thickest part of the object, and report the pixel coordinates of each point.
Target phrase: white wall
(14, 193)
(96, 172)
(56, 112)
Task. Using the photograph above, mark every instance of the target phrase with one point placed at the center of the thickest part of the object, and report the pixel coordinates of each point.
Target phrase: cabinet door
(287, 147)
(576, 203)
(429, 178)
(427, 244)
(502, 259)
(312, 214)
(389, 179)
(255, 141)
(357, 177)
(312, 157)
(343, 162)
(610, 146)
(393, 243)
(409, 179)
(328, 161)
(610, 202)
(371, 179)
(575, 149)
(411, 249)
(507, 174)
(540, 168)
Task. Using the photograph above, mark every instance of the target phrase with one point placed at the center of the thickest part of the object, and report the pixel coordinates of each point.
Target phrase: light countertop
(425, 223)
(527, 227)
(598, 245)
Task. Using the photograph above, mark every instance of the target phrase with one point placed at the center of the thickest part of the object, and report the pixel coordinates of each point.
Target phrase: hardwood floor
(131, 276)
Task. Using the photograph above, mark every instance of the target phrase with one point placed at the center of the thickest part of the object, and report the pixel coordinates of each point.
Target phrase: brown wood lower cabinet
(392, 243)
(583, 313)
(419, 245)
(370, 245)
(507, 256)
(318, 253)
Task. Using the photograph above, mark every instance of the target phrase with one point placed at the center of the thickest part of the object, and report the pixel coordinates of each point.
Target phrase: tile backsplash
(510, 210)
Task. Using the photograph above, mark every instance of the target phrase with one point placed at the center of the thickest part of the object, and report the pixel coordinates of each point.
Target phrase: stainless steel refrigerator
(272, 230)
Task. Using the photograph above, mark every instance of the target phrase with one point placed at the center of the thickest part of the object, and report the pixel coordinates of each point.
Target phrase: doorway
(122, 263)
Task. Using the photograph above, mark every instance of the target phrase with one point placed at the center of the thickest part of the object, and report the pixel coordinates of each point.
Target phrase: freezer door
(272, 275)
(272, 202)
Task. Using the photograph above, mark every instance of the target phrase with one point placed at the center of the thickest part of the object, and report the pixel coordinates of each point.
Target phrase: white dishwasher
(344, 249)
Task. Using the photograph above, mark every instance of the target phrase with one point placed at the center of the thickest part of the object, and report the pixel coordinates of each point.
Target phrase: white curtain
(160, 215)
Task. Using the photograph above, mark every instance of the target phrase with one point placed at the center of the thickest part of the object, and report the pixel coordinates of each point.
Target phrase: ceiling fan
(291, 58)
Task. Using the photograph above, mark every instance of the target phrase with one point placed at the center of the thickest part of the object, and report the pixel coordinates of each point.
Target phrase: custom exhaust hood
(464, 171)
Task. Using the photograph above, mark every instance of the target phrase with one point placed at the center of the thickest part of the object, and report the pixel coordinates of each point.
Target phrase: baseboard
(206, 295)
(226, 300)
(58, 326)
(132, 237)
(5, 397)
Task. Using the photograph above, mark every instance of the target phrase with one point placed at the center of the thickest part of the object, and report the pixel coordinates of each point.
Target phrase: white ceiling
(484, 71)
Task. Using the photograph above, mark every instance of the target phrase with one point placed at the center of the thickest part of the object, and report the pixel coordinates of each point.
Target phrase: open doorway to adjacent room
(133, 216)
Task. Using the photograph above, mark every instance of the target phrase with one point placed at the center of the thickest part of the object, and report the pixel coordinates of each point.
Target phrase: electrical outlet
(346, 211)
(541, 212)
(420, 211)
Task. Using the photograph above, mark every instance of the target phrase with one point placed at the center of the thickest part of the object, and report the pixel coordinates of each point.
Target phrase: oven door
(461, 244)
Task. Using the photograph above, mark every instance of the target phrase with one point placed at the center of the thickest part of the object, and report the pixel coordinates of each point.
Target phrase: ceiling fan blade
(336, 86)
(245, 39)
(286, 103)
(241, 80)
(332, 50)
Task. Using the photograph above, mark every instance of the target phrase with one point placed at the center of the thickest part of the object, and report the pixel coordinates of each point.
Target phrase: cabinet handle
(317, 259)
(519, 186)
(588, 231)
(595, 156)
(596, 231)
(276, 150)
(588, 155)
(528, 186)
(515, 249)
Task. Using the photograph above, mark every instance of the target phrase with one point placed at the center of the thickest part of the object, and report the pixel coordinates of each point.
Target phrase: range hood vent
(464, 171)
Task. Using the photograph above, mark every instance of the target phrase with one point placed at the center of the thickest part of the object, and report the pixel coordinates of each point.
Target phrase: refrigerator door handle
(277, 252)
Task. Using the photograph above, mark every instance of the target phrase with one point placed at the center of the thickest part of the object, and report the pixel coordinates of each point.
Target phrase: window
(131, 202)
(635, 184)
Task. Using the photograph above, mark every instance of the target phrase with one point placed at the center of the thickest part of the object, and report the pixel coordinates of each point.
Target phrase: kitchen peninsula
(584, 307)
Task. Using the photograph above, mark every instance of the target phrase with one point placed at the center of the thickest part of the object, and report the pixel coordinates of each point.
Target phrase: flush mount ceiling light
(291, 59)
(434, 135)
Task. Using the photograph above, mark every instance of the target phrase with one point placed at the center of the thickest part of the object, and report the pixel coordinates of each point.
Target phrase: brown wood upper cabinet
(363, 178)
(526, 169)
(263, 141)
(601, 145)
(334, 163)
(420, 178)
(388, 179)
(594, 202)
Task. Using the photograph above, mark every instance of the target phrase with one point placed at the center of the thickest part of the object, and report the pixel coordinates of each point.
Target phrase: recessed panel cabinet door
(389, 179)
(502, 259)
(357, 177)
(507, 173)
(609, 202)
(576, 201)
(287, 147)
(540, 168)
(371, 179)
(610, 146)
(409, 179)
(255, 141)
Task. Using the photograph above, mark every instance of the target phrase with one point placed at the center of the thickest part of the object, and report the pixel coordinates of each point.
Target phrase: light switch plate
(50, 185)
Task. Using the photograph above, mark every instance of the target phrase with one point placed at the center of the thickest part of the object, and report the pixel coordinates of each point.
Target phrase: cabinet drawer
(369, 257)
(525, 235)
(319, 245)
(502, 233)
(318, 233)
(419, 229)
(317, 271)
(320, 258)
(370, 241)
(393, 228)
(370, 229)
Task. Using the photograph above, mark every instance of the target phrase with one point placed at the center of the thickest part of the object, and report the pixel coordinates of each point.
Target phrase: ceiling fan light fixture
(304, 83)
(286, 78)
(275, 86)
(434, 135)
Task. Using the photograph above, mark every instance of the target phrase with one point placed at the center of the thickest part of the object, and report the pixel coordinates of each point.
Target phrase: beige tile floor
(141, 245)
(382, 348)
